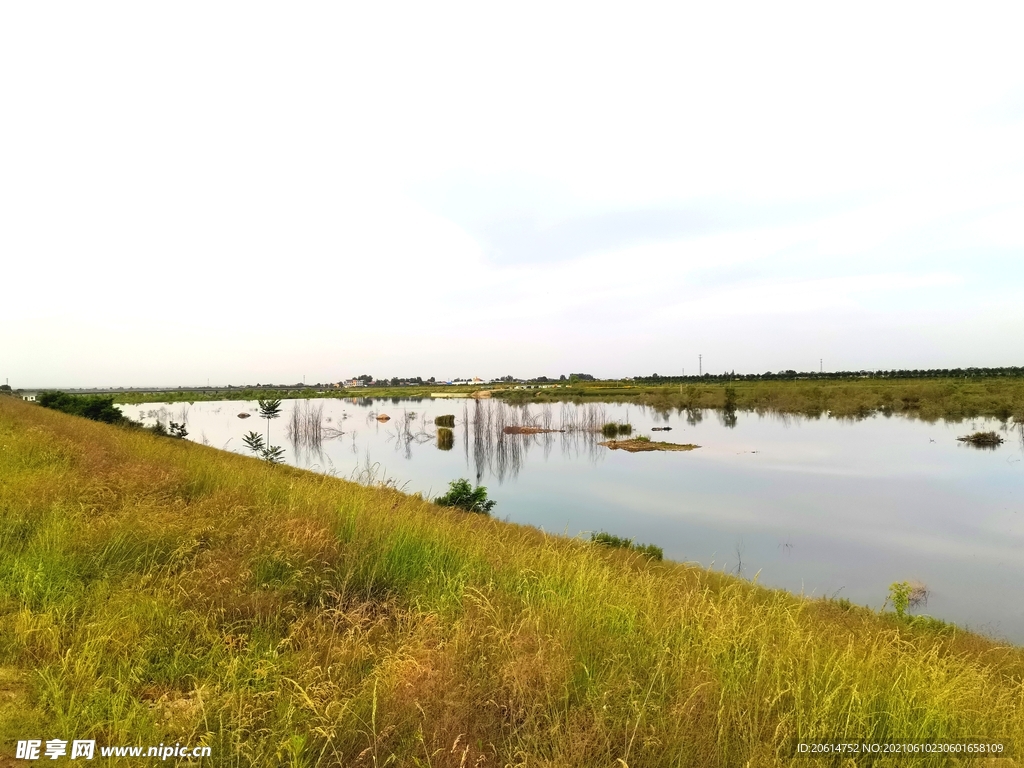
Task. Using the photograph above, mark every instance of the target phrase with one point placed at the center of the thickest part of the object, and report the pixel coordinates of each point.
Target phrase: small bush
(447, 420)
(462, 495)
(610, 540)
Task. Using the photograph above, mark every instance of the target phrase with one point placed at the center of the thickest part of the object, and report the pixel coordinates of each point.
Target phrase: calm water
(818, 506)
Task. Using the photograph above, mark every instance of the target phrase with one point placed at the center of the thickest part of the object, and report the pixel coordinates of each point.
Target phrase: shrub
(447, 420)
(462, 495)
(95, 407)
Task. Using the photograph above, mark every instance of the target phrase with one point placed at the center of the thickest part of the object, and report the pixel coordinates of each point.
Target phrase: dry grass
(157, 590)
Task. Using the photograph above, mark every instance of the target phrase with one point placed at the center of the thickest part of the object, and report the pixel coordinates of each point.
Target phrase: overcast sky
(252, 192)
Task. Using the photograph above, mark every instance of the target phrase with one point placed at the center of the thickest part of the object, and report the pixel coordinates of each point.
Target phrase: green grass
(157, 591)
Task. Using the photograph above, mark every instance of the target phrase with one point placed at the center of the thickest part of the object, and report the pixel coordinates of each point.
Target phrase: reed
(156, 590)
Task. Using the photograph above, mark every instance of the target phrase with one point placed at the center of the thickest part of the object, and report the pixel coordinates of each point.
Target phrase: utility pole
(700, 365)
(821, 365)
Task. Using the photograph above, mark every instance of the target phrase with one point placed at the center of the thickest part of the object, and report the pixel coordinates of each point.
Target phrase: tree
(269, 409)
(254, 442)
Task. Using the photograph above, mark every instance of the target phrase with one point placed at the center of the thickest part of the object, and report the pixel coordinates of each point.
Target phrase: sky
(269, 192)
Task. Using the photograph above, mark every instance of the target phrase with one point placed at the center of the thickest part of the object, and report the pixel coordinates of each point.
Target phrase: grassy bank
(931, 399)
(154, 590)
(270, 393)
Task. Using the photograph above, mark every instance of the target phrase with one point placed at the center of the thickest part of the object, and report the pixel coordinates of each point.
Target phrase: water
(818, 506)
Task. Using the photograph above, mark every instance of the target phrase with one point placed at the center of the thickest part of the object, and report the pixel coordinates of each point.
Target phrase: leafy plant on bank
(899, 596)
(273, 453)
(462, 495)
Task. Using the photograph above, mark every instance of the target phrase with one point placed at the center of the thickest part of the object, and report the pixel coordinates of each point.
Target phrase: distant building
(30, 396)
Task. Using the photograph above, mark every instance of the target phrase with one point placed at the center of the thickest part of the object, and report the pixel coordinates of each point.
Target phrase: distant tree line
(902, 373)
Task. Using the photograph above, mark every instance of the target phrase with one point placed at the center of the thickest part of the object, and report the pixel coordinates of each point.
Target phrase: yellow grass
(153, 590)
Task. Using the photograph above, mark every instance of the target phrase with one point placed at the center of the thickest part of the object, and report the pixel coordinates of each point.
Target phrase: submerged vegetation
(157, 590)
(985, 439)
(612, 429)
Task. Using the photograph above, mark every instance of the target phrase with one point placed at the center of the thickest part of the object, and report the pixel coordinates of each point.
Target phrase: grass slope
(154, 590)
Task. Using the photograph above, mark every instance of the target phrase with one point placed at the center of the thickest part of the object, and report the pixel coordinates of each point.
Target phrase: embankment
(154, 590)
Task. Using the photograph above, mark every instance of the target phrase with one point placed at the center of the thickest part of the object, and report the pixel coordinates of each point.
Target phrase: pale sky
(254, 192)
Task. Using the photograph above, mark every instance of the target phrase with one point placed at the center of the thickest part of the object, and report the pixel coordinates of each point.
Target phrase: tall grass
(155, 590)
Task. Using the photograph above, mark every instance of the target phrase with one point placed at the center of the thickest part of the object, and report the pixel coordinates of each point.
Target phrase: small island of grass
(638, 444)
(982, 438)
